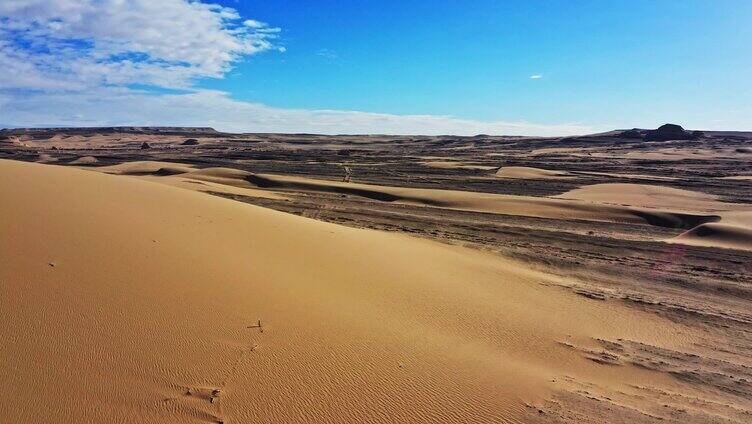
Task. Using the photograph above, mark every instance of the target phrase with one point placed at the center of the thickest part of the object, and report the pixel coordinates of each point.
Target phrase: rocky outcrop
(631, 134)
(671, 132)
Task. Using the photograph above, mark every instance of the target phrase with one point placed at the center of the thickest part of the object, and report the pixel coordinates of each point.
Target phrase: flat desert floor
(187, 275)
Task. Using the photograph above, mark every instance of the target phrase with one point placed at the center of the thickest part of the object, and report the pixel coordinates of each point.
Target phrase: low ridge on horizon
(144, 128)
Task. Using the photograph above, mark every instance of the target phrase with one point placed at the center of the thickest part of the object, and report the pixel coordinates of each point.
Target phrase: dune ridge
(717, 235)
(527, 173)
(647, 196)
(445, 164)
(141, 301)
(453, 199)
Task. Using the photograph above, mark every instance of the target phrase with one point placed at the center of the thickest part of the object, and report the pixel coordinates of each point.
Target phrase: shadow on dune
(674, 219)
(717, 235)
(263, 182)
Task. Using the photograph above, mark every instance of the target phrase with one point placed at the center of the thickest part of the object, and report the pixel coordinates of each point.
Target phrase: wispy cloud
(112, 107)
(536, 76)
(328, 54)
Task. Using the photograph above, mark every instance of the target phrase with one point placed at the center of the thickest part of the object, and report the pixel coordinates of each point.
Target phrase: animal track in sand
(257, 325)
(213, 394)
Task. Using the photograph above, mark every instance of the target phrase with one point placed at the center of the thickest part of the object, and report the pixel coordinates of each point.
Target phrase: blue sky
(413, 66)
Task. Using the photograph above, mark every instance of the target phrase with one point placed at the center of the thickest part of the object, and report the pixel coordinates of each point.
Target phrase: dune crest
(123, 300)
(717, 235)
(248, 183)
(445, 164)
(526, 173)
(648, 196)
(85, 160)
(738, 178)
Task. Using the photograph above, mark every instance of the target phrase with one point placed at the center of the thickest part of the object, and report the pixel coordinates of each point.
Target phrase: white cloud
(113, 107)
(70, 63)
(76, 44)
(252, 23)
(536, 76)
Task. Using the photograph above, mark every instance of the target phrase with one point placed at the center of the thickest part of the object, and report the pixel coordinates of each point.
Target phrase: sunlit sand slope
(122, 300)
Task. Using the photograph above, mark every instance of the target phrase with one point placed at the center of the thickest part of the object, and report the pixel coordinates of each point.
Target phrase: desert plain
(158, 274)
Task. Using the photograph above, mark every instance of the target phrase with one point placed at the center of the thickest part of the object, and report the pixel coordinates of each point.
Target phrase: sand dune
(669, 154)
(648, 196)
(738, 178)
(215, 180)
(717, 235)
(147, 168)
(626, 203)
(45, 158)
(491, 203)
(525, 173)
(445, 164)
(123, 300)
(735, 219)
(628, 176)
(741, 217)
(85, 160)
(452, 199)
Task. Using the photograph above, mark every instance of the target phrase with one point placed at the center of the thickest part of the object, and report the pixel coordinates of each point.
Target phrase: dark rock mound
(671, 132)
(189, 142)
(631, 134)
(145, 145)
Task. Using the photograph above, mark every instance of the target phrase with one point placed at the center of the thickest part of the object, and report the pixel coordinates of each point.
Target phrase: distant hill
(663, 133)
(129, 129)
